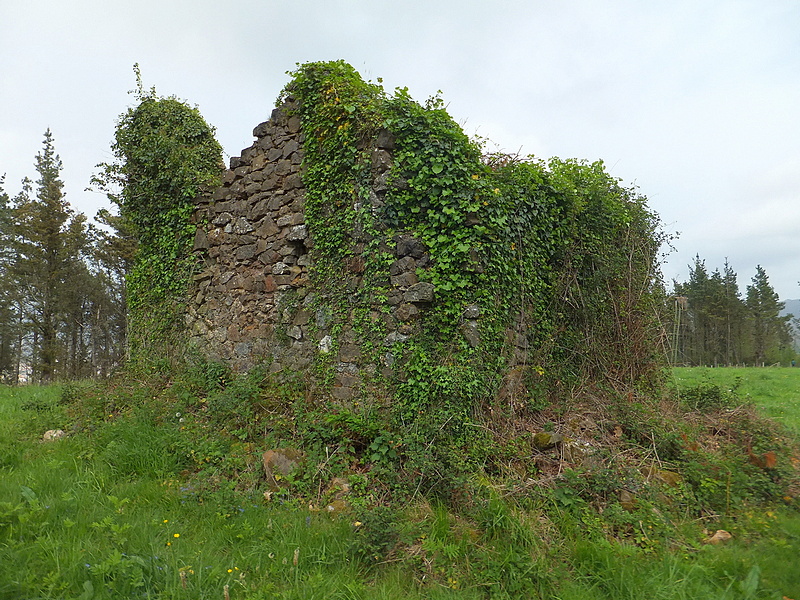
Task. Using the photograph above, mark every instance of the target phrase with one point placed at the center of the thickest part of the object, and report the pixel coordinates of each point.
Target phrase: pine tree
(49, 241)
(8, 314)
(770, 333)
(734, 315)
(694, 341)
(113, 250)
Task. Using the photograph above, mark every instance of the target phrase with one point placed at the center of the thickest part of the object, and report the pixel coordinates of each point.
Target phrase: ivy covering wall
(557, 252)
(165, 155)
(552, 264)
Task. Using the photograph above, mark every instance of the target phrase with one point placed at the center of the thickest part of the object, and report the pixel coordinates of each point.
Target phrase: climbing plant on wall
(556, 262)
(165, 153)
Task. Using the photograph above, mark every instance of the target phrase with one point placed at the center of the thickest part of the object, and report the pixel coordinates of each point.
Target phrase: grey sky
(697, 102)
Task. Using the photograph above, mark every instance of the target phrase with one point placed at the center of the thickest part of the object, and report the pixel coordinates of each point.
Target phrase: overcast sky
(697, 102)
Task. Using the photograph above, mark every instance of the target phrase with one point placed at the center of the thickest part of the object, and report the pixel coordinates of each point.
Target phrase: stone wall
(253, 299)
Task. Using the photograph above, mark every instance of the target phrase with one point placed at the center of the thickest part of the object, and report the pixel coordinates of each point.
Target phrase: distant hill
(792, 307)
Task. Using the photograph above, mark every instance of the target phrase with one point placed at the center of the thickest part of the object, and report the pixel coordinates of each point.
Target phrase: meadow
(774, 390)
(121, 509)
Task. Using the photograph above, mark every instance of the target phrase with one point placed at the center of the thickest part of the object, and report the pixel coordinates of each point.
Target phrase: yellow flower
(357, 524)
(176, 535)
(475, 176)
(166, 520)
(230, 570)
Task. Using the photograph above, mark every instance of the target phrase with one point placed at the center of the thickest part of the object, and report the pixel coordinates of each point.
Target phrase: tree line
(62, 282)
(710, 322)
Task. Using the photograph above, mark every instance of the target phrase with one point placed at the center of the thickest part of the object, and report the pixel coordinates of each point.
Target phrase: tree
(8, 314)
(49, 239)
(734, 315)
(697, 339)
(770, 332)
(113, 250)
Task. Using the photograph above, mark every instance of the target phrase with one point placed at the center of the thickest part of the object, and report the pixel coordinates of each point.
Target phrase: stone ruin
(253, 300)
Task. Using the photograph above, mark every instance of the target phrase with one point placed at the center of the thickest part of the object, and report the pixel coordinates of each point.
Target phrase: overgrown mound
(530, 504)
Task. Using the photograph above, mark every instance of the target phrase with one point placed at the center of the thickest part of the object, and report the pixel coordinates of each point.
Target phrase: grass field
(110, 514)
(774, 390)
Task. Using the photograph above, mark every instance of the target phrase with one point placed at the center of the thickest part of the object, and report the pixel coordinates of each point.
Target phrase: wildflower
(230, 570)
(357, 524)
(166, 520)
(475, 176)
(176, 535)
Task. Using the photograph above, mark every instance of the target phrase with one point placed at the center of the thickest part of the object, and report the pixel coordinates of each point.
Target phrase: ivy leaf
(437, 168)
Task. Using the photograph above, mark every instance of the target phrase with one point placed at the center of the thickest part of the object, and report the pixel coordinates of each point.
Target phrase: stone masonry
(252, 299)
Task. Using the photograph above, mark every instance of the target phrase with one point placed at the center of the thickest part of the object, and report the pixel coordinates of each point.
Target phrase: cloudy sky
(696, 102)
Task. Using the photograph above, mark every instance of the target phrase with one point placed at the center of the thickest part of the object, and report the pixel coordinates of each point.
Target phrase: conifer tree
(49, 241)
(734, 314)
(769, 330)
(8, 316)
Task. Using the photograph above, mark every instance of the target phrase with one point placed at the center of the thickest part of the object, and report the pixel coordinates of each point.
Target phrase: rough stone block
(293, 124)
(407, 312)
(279, 464)
(349, 353)
(267, 228)
(290, 147)
(404, 280)
(420, 292)
(297, 233)
(293, 182)
(200, 240)
(261, 129)
(408, 246)
(381, 160)
(405, 264)
(246, 252)
(342, 393)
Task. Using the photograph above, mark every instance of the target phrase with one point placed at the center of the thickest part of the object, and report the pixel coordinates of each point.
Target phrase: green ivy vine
(558, 258)
(165, 154)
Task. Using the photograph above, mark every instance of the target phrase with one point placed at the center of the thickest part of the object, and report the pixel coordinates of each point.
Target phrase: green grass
(774, 390)
(112, 512)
